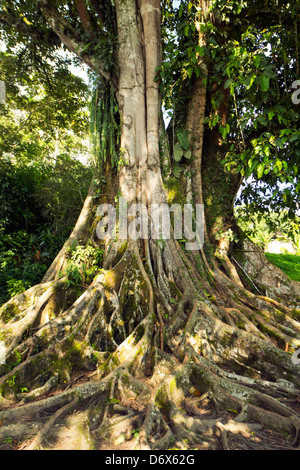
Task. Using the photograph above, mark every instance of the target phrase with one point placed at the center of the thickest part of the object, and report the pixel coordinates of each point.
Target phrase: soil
(71, 432)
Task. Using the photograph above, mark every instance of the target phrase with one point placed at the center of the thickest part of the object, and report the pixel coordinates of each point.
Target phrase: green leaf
(211, 40)
(200, 50)
(183, 138)
(85, 47)
(112, 401)
(186, 30)
(262, 120)
(267, 150)
(294, 137)
(256, 61)
(271, 114)
(177, 170)
(188, 154)
(228, 83)
(250, 81)
(178, 152)
(190, 72)
(260, 170)
(224, 130)
(264, 82)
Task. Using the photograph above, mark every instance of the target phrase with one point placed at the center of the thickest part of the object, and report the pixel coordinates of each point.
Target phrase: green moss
(228, 339)
(175, 292)
(122, 249)
(126, 379)
(175, 191)
(280, 316)
(162, 401)
(296, 314)
(173, 386)
(12, 382)
(139, 332)
(8, 313)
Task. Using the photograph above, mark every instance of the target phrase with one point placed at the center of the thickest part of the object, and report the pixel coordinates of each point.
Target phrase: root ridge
(195, 364)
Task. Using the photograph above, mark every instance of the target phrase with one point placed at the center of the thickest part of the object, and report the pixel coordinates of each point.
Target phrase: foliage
(250, 51)
(24, 258)
(23, 25)
(42, 127)
(182, 148)
(252, 55)
(43, 184)
(44, 114)
(40, 205)
(62, 195)
(260, 65)
(18, 184)
(261, 229)
(83, 264)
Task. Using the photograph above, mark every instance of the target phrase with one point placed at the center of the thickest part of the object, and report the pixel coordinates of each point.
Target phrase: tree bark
(158, 351)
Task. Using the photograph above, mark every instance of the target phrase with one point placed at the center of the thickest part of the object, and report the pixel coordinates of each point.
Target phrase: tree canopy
(252, 55)
(158, 341)
(44, 123)
(251, 52)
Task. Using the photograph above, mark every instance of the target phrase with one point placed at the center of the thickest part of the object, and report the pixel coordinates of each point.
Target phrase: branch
(62, 30)
(70, 39)
(13, 22)
(17, 23)
(84, 16)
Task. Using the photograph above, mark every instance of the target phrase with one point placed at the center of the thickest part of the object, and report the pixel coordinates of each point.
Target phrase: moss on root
(133, 362)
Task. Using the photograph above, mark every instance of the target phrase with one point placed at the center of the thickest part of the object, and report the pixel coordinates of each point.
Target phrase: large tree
(165, 347)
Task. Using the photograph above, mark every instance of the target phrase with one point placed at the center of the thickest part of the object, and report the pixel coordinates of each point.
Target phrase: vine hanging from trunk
(162, 348)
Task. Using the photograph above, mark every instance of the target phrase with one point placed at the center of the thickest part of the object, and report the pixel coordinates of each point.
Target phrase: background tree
(178, 332)
(42, 181)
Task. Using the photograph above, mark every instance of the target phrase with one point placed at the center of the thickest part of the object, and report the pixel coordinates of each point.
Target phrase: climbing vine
(104, 124)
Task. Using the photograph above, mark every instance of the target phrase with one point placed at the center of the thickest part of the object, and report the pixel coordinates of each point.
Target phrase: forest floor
(78, 429)
(73, 431)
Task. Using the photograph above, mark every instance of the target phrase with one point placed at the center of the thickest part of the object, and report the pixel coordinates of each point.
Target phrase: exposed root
(78, 235)
(160, 358)
(224, 439)
(44, 431)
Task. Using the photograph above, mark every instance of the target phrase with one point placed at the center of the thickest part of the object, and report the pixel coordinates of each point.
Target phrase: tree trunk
(163, 349)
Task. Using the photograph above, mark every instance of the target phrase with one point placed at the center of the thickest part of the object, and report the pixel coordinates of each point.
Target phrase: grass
(289, 264)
